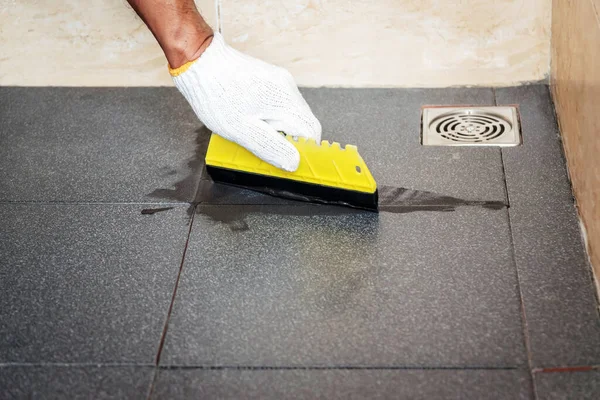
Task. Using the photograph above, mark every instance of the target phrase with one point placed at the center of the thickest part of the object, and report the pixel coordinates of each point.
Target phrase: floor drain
(468, 126)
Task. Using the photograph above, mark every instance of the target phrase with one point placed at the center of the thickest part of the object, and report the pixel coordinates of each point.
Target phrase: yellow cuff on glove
(180, 70)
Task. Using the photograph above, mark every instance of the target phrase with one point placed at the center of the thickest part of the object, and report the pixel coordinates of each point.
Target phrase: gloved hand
(247, 101)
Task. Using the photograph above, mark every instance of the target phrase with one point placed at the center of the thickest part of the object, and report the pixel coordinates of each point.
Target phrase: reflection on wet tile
(276, 285)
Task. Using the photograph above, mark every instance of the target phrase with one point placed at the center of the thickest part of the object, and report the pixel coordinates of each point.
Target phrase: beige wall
(323, 42)
(576, 89)
(80, 43)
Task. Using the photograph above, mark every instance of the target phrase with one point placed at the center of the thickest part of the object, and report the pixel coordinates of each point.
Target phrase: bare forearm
(178, 27)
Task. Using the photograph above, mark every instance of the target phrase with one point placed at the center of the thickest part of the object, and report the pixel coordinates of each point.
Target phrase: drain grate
(467, 126)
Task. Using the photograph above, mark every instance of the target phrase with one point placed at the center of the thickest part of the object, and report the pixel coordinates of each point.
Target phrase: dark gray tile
(567, 385)
(86, 283)
(385, 125)
(98, 144)
(343, 384)
(323, 286)
(535, 171)
(556, 283)
(62, 382)
(556, 280)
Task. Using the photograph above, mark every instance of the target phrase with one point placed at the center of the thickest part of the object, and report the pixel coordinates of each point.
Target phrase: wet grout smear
(180, 192)
(402, 200)
(395, 200)
(152, 211)
(391, 199)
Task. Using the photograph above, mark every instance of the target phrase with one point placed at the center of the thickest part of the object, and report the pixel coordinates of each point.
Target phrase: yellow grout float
(327, 172)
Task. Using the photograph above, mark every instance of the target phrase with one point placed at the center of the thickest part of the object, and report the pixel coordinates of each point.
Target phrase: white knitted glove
(247, 101)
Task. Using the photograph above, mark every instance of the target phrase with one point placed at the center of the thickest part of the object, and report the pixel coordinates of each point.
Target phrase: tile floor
(126, 273)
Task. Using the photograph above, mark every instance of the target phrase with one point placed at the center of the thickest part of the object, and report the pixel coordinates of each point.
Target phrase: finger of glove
(297, 126)
(262, 140)
(300, 114)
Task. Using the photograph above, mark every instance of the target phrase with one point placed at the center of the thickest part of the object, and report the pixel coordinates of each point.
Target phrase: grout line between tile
(76, 365)
(507, 198)
(553, 370)
(333, 367)
(560, 139)
(170, 310)
(116, 203)
(340, 207)
(526, 341)
(291, 367)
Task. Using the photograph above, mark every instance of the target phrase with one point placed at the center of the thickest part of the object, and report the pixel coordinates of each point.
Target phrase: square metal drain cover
(470, 126)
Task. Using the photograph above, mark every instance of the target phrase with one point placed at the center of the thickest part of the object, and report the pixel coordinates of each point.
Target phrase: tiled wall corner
(77, 43)
(395, 42)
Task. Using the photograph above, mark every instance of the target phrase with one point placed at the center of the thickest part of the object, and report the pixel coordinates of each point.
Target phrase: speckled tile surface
(282, 286)
(556, 278)
(86, 283)
(342, 384)
(278, 299)
(74, 382)
(536, 170)
(99, 145)
(581, 385)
